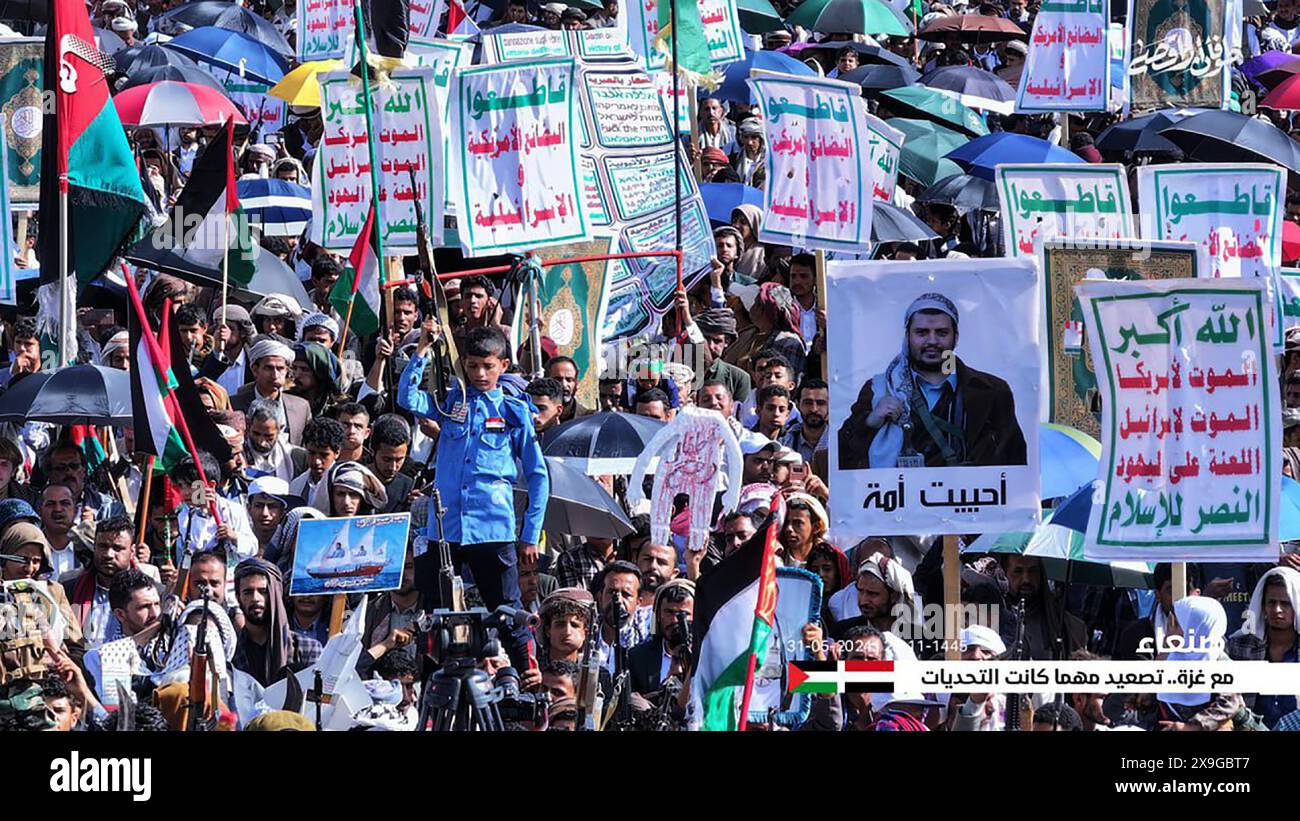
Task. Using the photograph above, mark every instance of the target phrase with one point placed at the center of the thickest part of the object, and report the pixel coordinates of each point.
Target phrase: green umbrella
(928, 104)
(1061, 550)
(758, 16)
(807, 13)
(861, 17)
(924, 146)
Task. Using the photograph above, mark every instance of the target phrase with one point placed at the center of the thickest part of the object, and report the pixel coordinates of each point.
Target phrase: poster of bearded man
(934, 372)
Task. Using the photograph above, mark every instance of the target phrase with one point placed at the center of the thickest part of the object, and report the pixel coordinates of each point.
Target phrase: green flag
(692, 47)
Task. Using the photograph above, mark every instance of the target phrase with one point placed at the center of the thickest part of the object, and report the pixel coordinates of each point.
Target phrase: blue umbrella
(233, 51)
(1074, 511)
(1067, 458)
(733, 85)
(982, 155)
(721, 198)
(280, 208)
(230, 16)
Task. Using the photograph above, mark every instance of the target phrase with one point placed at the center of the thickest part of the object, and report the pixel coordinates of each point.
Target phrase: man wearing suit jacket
(667, 651)
(271, 361)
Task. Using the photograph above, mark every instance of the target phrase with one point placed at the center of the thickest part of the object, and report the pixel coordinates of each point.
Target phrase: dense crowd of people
(322, 423)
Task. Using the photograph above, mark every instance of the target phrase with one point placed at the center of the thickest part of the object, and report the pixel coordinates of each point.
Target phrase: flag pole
(343, 334)
(225, 223)
(370, 136)
(63, 268)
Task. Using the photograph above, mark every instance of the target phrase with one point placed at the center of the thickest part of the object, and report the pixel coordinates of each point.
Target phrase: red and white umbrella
(169, 102)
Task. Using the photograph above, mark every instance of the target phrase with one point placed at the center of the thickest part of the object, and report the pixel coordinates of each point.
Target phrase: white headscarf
(1256, 623)
(1204, 622)
(119, 341)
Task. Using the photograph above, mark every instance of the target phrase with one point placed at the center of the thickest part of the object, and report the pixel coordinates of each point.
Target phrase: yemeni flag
(152, 403)
(849, 676)
(735, 608)
(356, 293)
(692, 46)
(86, 438)
(84, 152)
(221, 235)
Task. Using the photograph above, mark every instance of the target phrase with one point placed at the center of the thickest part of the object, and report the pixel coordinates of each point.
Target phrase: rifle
(623, 705)
(200, 716)
(1017, 653)
(589, 699)
(451, 585)
(445, 368)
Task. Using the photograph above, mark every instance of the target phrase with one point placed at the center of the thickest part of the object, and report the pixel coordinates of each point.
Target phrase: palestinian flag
(213, 229)
(356, 293)
(84, 151)
(86, 439)
(692, 46)
(842, 677)
(203, 430)
(152, 402)
(735, 607)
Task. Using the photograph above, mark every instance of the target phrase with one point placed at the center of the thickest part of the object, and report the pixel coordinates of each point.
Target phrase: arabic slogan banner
(721, 31)
(516, 172)
(1288, 295)
(1066, 68)
(1190, 429)
(1233, 211)
(409, 149)
(323, 29)
(924, 454)
(444, 57)
(885, 144)
(423, 17)
(265, 114)
(1178, 55)
(1070, 395)
(572, 298)
(1070, 200)
(21, 81)
(818, 191)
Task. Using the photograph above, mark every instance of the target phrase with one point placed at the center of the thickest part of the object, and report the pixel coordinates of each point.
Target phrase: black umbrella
(973, 86)
(1225, 136)
(889, 223)
(601, 443)
(271, 275)
(184, 74)
(1143, 133)
(230, 16)
(867, 53)
(151, 55)
(76, 395)
(876, 77)
(963, 192)
(577, 505)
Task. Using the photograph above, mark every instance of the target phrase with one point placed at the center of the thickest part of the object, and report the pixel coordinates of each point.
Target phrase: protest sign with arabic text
(1069, 58)
(1178, 53)
(444, 57)
(885, 144)
(354, 554)
(408, 138)
(818, 192)
(323, 29)
(516, 169)
(1190, 429)
(1288, 296)
(1069, 200)
(722, 31)
(938, 435)
(1071, 396)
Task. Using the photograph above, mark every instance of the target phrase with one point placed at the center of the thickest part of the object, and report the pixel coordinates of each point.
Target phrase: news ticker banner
(915, 677)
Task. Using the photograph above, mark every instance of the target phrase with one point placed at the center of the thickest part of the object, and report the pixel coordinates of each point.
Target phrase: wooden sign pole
(951, 599)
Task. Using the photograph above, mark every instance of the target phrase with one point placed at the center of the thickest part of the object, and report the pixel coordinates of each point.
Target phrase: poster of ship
(358, 554)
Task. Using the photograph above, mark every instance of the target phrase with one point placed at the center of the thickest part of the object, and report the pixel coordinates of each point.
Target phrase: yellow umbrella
(299, 87)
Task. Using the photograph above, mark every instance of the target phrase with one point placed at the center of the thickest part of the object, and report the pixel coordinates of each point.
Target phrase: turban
(320, 320)
(575, 595)
(714, 155)
(751, 127)
(977, 635)
(717, 321)
(931, 302)
(355, 477)
(220, 398)
(685, 584)
(891, 572)
(124, 24)
(120, 341)
(269, 347)
(277, 305)
(818, 511)
(277, 619)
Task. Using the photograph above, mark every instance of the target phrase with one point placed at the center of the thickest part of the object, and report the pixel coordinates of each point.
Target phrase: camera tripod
(460, 698)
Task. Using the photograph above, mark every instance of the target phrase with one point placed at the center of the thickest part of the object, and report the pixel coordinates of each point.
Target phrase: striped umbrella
(172, 103)
(279, 208)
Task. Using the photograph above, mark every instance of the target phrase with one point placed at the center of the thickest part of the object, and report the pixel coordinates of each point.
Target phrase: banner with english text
(934, 413)
(1190, 428)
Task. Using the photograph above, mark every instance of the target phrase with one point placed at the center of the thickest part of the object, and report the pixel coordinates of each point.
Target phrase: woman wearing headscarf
(746, 219)
(349, 489)
(1202, 622)
(776, 325)
(266, 648)
(317, 376)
